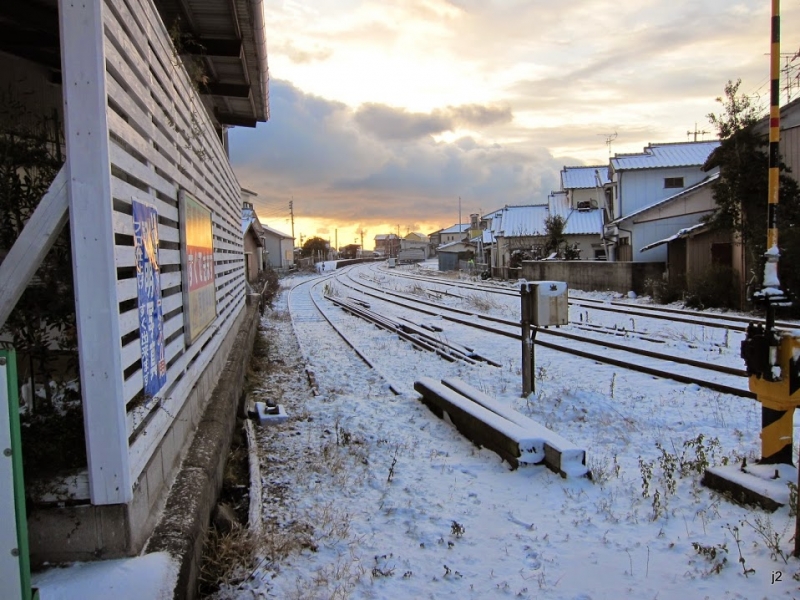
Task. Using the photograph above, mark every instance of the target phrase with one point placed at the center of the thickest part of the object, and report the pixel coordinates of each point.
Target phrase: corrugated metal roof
(275, 232)
(683, 154)
(520, 221)
(583, 177)
(685, 232)
(456, 228)
(691, 189)
(229, 39)
(578, 222)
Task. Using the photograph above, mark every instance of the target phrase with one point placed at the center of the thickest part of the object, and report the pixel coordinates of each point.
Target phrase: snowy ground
(369, 495)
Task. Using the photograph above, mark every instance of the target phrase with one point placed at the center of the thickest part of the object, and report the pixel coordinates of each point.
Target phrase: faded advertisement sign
(148, 286)
(197, 266)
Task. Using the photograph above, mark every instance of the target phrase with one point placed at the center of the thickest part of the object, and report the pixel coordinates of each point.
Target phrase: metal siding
(653, 231)
(643, 188)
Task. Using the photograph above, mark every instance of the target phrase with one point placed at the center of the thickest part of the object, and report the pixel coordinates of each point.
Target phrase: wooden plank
(127, 163)
(86, 132)
(561, 455)
(510, 441)
(33, 244)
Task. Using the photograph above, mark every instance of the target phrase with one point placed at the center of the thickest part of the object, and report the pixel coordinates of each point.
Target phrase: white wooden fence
(160, 140)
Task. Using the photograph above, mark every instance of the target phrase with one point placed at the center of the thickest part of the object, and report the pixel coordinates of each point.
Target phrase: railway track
(728, 380)
(731, 322)
(305, 311)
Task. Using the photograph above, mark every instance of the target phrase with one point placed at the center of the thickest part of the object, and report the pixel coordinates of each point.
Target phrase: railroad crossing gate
(779, 394)
(14, 559)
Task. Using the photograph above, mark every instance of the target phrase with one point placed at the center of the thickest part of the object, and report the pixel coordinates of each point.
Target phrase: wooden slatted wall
(161, 140)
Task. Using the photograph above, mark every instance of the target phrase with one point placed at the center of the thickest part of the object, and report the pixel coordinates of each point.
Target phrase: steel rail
(700, 318)
(603, 359)
(361, 355)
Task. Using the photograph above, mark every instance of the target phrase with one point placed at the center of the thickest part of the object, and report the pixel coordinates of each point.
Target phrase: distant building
(416, 241)
(387, 244)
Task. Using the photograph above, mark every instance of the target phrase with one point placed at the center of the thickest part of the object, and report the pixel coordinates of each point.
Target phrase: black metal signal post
(772, 358)
(768, 354)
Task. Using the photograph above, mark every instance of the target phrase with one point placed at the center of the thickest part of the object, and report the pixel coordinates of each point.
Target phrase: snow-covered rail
(310, 322)
(724, 379)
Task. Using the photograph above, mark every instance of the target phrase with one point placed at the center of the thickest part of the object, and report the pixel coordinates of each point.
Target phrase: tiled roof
(583, 177)
(684, 154)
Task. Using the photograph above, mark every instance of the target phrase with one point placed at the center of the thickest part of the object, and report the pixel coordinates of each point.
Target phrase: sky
(391, 116)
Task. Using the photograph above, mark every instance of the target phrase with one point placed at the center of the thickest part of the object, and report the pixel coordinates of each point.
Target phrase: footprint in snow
(533, 560)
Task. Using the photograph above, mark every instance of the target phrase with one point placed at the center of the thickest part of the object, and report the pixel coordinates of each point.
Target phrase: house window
(673, 182)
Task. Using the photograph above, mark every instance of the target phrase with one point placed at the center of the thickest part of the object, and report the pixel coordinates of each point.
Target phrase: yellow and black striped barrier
(779, 396)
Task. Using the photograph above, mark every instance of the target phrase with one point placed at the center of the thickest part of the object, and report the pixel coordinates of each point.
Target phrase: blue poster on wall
(148, 286)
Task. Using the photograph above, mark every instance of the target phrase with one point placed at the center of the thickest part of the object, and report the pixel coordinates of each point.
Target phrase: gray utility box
(549, 304)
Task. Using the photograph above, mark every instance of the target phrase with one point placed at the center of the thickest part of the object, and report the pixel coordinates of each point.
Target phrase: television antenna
(610, 137)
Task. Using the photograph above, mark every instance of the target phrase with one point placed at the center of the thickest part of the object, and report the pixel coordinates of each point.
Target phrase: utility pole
(459, 215)
(291, 212)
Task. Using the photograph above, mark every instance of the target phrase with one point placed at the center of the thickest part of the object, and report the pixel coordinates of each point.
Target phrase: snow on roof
(455, 228)
(451, 245)
(682, 154)
(684, 192)
(583, 177)
(685, 232)
(285, 236)
(577, 222)
(520, 221)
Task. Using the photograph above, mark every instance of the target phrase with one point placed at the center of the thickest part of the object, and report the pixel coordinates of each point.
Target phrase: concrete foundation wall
(87, 532)
(594, 275)
(185, 518)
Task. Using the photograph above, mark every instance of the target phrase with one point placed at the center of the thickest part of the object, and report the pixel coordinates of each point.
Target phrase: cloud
(399, 124)
(380, 164)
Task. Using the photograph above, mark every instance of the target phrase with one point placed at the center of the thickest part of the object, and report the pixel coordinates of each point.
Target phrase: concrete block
(269, 415)
(62, 534)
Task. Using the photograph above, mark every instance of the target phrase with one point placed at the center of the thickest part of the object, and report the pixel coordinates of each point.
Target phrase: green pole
(9, 392)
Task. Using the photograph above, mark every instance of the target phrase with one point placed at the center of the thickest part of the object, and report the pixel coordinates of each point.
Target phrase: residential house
(789, 145)
(585, 187)
(638, 181)
(387, 244)
(453, 255)
(454, 233)
(278, 248)
(154, 212)
(519, 232)
(252, 234)
(692, 249)
(253, 237)
(416, 241)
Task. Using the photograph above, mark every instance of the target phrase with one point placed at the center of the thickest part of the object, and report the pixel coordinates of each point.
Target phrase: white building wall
(644, 187)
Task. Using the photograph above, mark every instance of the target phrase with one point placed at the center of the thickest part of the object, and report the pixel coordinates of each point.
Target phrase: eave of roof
(228, 37)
